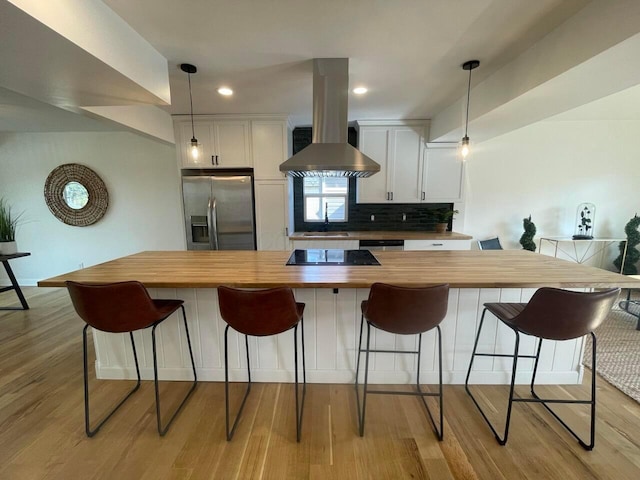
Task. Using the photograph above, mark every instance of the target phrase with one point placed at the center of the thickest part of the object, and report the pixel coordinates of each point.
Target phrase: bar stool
(125, 307)
(261, 313)
(551, 314)
(402, 311)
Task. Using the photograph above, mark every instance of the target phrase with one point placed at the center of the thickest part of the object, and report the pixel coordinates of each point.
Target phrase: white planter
(8, 248)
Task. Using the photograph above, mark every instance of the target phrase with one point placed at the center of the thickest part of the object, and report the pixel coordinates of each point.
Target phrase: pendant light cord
(466, 125)
(193, 131)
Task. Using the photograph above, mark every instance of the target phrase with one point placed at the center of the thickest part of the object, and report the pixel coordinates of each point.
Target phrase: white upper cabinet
(232, 143)
(223, 143)
(411, 170)
(443, 173)
(398, 147)
(375, 143)
(269, 143)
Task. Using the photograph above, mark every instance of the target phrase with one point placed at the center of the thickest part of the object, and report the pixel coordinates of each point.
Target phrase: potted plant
(526, 240)
(633, 255)
(442, 217)
(8, 225)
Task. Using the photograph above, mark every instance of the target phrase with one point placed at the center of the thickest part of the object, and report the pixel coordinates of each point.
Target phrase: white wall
(144, 211)
(547, 170)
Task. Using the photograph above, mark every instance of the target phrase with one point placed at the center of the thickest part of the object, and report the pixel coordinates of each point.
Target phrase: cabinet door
(205, 136)
(443, 174)
(271, 214)
(232, 143)
(374, 142)
(437, 244)
(405, 164)
(269, 145)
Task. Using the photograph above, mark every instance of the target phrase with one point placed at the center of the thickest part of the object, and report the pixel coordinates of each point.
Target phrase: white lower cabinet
(437, 244)
(271, 214)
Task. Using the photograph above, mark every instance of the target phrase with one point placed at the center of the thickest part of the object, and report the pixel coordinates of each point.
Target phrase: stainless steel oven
(381, 244)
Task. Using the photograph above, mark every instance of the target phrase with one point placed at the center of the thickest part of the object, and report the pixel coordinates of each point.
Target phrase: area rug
(618, 355)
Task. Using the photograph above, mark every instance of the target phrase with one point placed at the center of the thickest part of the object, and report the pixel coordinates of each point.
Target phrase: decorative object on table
(585, 221)
(76, 195)
(633, 255)
(526, 240)
(464, 143)
(8, 225)
(442, 216)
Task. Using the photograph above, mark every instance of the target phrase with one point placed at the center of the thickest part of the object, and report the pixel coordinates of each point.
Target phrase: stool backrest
(113, 307)
(490, 244)
(406, 310)
(258, 312)
(558, 314)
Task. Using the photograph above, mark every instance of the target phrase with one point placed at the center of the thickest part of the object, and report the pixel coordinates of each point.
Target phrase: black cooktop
(332, 257)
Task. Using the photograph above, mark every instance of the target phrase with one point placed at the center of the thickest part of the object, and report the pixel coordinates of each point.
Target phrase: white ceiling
(407, 52)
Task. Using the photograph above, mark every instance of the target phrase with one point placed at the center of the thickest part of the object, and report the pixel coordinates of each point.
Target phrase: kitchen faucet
(325, 228)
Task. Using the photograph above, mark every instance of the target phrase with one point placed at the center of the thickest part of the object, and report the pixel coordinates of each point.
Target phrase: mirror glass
(75, 195)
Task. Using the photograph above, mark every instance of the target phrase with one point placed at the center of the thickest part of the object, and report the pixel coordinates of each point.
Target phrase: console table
(599, 246)
(14, 283)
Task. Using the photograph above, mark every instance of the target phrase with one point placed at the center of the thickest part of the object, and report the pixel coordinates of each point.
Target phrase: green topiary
(526, 240)
(633, 255)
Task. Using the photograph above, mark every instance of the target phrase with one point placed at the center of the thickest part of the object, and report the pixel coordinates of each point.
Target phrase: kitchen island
(332, 316)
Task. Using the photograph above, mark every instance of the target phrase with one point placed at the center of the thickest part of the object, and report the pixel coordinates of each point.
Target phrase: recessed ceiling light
(225, 91)
(360, 90)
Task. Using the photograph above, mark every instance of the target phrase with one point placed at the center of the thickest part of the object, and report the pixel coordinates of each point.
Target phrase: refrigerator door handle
(213, 224)
(213, 212)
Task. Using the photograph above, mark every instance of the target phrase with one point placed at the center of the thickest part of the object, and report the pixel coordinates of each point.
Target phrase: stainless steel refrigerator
(219, 209)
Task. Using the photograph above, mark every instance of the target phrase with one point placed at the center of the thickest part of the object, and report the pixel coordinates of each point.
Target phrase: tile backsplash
(388, 216)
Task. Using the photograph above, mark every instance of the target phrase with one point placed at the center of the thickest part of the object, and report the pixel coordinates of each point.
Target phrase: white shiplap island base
(332, 318)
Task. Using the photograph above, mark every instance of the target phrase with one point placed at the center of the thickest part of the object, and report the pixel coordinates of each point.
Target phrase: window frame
(322, 195)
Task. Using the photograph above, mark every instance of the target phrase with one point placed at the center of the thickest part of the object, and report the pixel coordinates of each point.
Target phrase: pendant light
(468, 65)
(194, 149)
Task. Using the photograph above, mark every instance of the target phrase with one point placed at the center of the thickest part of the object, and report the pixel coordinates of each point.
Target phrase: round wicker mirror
(76, 195)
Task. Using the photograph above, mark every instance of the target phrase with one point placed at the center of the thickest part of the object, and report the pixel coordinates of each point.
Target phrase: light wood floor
(42, 430)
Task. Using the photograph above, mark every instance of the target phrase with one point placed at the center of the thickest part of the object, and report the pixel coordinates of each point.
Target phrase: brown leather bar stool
(402, 311)
(119, 308)
(262, 313)
(551, 314)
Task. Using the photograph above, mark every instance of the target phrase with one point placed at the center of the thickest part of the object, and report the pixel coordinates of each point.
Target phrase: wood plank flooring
(42, 431)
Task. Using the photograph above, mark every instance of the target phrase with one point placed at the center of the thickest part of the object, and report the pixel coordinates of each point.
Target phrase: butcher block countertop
(261, 269)
(378, 235)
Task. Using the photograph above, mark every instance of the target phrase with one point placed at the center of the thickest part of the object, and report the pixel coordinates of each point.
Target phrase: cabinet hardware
(391, 196)
(213, 159)
(423, 196)
(436, 244)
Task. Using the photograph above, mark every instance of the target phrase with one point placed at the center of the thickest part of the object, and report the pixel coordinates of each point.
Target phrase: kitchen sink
(325, 234)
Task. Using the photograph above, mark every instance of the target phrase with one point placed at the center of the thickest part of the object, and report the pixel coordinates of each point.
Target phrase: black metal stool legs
(361, 410)
(536, 399)
(515, 356)
(163, 430)
(592, 401)
(91, 433)
(440, 431)
(300, 409)
(231, 431)
(299, 402)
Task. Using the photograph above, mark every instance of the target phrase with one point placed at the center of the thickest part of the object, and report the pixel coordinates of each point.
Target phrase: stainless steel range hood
(330, 155)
